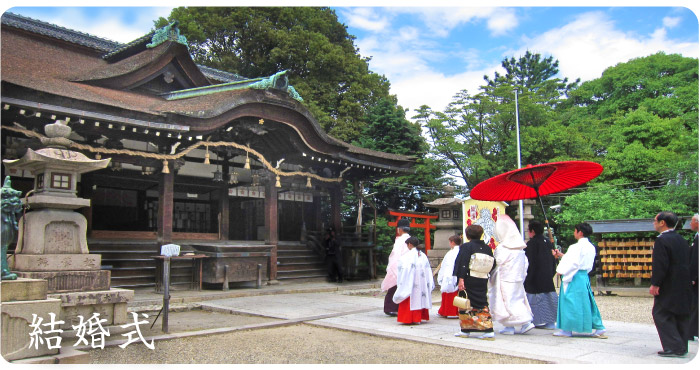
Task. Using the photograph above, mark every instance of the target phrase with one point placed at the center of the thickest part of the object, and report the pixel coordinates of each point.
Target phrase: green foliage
(323, 63)
(385, 237)
(477, 134)
(639, 120)
(534, 74)
(389, 131)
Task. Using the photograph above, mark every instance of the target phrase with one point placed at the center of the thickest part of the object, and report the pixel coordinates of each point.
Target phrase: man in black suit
(693, 333)
(670, 286)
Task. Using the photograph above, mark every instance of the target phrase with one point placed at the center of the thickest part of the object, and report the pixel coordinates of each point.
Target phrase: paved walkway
(318, 303)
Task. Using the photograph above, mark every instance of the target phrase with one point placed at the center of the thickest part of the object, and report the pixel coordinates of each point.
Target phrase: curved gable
(156, 63)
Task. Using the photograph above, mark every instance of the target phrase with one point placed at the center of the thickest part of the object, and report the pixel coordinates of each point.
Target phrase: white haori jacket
(400, 248)
(507, 300)
(415, 280)
(447, 281)
(579, 256)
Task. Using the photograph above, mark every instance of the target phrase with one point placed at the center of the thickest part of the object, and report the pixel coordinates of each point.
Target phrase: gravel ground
(625, 309)
(300, 344)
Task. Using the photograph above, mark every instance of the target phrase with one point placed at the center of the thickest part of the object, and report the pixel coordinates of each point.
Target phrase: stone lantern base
(21, 299)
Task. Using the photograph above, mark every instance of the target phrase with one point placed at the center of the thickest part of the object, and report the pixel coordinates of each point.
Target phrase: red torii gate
(413, 216)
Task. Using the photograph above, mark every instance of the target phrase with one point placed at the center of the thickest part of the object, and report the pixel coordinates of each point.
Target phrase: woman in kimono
(446, 279)
(414, 285)
(472, 268)
(509, 305)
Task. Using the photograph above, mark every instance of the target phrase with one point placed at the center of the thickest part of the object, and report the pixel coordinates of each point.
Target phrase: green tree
(323, 63)
(389, 131)
(476, 134)
(643, 114)
(641, 118)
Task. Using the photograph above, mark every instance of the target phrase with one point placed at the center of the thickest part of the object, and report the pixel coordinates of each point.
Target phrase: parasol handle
(546, 221)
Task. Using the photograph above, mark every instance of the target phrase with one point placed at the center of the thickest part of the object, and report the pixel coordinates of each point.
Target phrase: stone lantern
(52, 243)
(52, 237)
(449, 223)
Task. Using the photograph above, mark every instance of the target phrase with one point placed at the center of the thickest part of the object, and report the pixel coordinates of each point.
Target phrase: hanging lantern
(218, 176)
(233, 177)
(308, 182)
(165, 167)
(147, 170)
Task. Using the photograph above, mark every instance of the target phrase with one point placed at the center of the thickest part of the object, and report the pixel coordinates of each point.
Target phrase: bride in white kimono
(507, 299)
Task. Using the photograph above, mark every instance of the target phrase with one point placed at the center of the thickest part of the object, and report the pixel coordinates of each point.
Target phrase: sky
(432, 50)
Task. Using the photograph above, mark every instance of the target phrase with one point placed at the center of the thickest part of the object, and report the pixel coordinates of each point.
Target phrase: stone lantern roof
(447, 201)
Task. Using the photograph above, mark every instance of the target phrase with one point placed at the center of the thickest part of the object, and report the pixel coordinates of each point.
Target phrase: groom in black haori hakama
(474, 263)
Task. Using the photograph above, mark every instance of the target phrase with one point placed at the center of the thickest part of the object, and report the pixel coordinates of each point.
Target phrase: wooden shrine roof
(66, 72)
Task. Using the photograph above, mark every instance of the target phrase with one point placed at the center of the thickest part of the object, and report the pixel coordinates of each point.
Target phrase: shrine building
(202, 158)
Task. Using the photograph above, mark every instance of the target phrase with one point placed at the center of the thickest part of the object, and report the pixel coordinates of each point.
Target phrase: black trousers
(693, 331)
(672, 329)
(335, 268)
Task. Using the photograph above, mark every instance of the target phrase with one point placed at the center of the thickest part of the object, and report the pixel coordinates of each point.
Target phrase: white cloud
(434, 89)
(365, 18)
(592, 43)
(502, 22)
(671, 22)
(114, 24)
(441, 20)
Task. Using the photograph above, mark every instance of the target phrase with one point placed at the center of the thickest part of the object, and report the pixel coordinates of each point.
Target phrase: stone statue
(11, 209)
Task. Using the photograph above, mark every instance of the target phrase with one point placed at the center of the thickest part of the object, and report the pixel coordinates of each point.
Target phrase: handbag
(462, 302)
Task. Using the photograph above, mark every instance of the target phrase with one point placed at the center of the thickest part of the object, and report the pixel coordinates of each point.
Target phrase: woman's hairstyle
(416, 243)
(455, 239)
(474, 232)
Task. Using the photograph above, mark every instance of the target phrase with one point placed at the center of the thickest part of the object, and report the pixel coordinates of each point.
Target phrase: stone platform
(109, 304)
(21, 300)
(71, 281)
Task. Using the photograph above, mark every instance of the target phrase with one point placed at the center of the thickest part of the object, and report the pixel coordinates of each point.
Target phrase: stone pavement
(320, 303)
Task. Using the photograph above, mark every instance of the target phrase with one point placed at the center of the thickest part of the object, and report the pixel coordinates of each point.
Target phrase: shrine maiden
(414, 285)
(446, 279)
(403, 226)
(507, 300)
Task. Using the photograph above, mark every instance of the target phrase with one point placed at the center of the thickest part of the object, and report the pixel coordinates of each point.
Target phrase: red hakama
(406, 316)
(446, 306)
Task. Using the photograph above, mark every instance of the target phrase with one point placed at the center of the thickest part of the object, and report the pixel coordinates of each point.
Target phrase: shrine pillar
(271, 226)
(166, 204)
(336, 199)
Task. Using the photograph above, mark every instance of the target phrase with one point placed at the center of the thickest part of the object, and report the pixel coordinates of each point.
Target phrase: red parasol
(536, 181)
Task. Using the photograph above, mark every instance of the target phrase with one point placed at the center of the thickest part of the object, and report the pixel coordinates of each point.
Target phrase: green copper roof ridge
(166, 33)
(261, 83)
